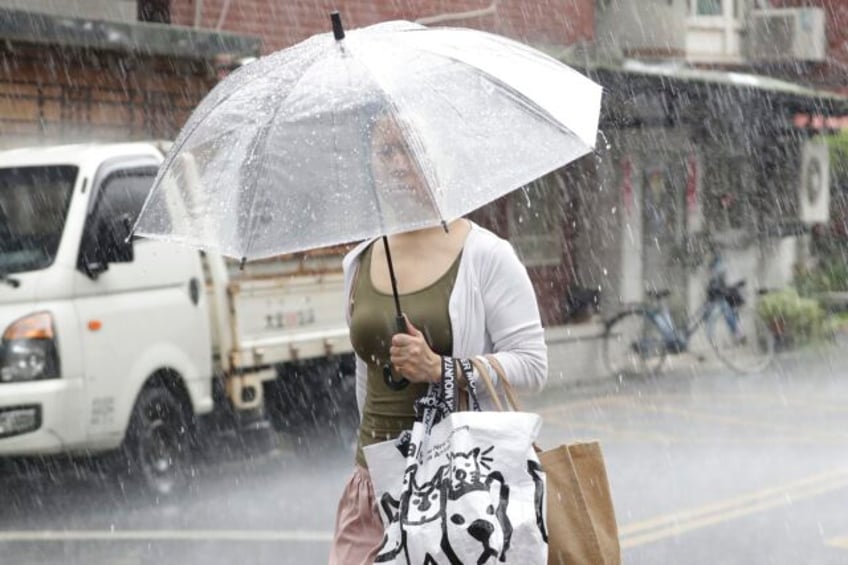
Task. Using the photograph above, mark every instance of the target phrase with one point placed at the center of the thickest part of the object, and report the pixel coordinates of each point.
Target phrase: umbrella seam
(406, 130)
(509, 89)
(177, 149)
(262, 137)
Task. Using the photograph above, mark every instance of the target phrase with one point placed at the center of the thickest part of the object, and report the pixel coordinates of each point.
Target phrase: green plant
(838, 145)
(828, 276)
(793, 317)
(809, 282)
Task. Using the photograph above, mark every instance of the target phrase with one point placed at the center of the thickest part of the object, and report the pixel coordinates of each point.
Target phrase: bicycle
(638, 339)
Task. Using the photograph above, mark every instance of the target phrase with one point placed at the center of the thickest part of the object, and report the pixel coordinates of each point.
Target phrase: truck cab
(106, 342)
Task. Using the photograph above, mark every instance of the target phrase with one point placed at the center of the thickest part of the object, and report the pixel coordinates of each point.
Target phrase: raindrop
(526, 197)
(607, 144)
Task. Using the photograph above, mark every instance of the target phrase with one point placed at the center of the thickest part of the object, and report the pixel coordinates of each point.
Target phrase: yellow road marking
(676, 523)
(841, 543)
(626, 430)
(166, 535)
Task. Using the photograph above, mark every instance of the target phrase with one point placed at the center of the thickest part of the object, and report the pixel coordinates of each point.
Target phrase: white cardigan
(492, 309)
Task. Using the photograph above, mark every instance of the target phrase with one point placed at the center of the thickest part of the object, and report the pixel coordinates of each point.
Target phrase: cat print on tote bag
(435, 508)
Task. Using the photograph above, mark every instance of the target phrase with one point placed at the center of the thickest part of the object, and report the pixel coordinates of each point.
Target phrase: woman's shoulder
(483, 242)
(353, 255)
(479, 236)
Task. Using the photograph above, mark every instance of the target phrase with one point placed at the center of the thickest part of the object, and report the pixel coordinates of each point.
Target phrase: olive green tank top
(388, 412)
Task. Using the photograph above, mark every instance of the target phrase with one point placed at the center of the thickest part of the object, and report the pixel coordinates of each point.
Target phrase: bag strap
(468, 401)
(510, 393)
(483, 373)
(512, 399)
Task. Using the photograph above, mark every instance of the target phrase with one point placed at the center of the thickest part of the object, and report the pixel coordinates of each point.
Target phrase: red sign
(691, 184)
(817, 121)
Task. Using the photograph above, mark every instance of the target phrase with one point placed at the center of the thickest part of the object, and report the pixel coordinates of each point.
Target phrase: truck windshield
(33, 206)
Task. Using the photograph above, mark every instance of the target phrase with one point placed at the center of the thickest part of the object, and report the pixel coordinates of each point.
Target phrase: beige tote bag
(580, 518)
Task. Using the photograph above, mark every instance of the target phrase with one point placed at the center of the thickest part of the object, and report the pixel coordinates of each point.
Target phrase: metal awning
(142, 38)
(639, 94)
(733, 79)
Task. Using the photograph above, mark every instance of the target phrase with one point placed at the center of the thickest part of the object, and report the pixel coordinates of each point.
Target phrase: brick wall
(281, 24)
(52, 95)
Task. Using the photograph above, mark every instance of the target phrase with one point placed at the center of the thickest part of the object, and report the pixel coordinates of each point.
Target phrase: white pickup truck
(129, 346)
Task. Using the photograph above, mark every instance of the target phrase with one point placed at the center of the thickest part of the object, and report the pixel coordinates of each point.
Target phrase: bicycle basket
(734, 297)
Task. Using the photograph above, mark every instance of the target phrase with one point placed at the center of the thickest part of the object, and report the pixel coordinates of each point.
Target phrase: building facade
(75, 71)
(698, 142)
(713, 119)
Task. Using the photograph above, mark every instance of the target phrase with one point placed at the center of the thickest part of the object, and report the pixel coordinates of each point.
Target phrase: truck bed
(284, 309)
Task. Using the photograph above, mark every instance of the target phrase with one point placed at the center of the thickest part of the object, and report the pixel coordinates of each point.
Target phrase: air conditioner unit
(787, 34)
(814, 182)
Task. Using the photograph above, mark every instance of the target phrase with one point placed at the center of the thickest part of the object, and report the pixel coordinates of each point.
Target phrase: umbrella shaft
(393, 279)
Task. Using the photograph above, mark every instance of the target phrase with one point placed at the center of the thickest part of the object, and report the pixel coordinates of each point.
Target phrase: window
(708, 7)
(535, 219)
(122, 195)
(156, 11)
(730, 207)
(33, 206)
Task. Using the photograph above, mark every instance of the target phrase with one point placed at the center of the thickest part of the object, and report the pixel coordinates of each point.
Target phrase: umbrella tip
(338, 30)
(241, 265)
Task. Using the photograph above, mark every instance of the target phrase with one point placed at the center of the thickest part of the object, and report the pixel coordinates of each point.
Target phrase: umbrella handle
(402, 383)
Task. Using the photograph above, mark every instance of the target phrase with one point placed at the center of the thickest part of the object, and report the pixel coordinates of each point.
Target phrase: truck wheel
(159, 446)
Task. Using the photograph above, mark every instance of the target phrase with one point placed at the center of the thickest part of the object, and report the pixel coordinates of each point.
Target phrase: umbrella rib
(177, 148)
(416, 159)
(241, 87)
(261, 138)
(528, 102)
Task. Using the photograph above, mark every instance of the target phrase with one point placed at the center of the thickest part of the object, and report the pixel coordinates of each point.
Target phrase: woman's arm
(512, 320)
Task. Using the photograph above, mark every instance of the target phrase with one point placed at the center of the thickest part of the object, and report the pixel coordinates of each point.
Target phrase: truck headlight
(28, 351)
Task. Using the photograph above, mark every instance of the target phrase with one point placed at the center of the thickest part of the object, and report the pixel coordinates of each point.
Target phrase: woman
(464, 293)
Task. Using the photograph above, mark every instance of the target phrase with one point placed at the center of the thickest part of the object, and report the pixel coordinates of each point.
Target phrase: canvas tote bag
(581, 526)
(465, 487)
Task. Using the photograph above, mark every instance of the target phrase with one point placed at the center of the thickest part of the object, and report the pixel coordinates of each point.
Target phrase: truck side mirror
(114, 238)
(107, 242)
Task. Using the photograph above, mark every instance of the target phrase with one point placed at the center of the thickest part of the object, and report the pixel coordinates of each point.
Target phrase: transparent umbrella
(381, 130)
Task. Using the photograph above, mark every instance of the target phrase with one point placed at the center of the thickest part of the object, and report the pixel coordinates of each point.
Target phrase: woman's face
(395, 172)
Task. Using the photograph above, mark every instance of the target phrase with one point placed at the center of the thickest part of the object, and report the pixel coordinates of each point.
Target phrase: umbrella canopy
(389, 128)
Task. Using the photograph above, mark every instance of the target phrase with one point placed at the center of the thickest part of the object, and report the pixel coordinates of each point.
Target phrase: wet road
(705, 467)
(708, 467)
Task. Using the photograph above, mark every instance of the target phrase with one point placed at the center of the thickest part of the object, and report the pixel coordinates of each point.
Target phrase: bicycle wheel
(746, 353)
(633, 345)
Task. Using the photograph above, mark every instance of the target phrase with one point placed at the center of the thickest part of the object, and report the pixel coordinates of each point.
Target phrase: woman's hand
(412, 357)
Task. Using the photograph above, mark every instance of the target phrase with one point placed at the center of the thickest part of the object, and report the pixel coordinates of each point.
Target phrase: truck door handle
(194, 290)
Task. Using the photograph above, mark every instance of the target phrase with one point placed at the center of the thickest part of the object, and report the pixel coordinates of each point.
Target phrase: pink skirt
(359, 529)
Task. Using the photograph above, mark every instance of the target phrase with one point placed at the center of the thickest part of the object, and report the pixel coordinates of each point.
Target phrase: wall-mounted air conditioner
(814, 182)
(787, 34)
